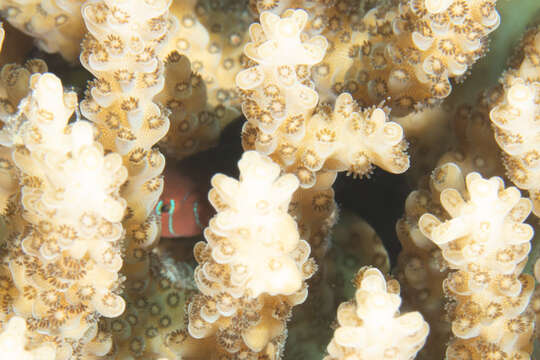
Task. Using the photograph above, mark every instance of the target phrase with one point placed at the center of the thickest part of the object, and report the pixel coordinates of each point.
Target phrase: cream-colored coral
(534, 304)
(370, 326)
(121, 51)
(311, 142)
(280, 101)
(320, 61)
(64, 225)
(252, 269)
(14, 86)
(315, 211)
(362, 138)
(515, 117)
(13, 343)
(486, 243)
(346, 139)
(353, 243)
(277, 89)
(257, 205)
(421, 268)
(128, 72)
(407, 50)
(56, 24)
(195, 125)
(212, 35)
(402, 50)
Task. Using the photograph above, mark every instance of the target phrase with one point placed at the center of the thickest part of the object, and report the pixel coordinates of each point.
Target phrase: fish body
(183, 206)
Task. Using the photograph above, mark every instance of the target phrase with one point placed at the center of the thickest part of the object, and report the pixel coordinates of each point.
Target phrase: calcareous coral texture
(338, 109)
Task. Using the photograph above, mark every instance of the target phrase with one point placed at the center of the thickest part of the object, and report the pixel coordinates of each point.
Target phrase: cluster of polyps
(252, 268)
(515, 118)
(486, 243)
(370, 326)
(64, 268)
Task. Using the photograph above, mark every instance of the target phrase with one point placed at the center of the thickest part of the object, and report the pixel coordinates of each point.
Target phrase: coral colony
(324, 87)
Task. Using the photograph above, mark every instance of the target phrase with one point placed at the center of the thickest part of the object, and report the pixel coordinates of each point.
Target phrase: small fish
(183, 206)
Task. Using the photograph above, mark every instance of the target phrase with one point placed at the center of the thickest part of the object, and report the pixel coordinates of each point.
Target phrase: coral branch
(515, 119)
(57, 24)
(63, 226)
(486, 242)
(370, 326)
(252, 269)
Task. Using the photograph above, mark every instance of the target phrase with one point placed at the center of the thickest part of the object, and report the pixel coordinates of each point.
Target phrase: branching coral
(277, 90)
(195, 126)
(14, 80)
(515, 117)
(486, 243)
(343, 140)
(402, 50)
(82, 275)
(128, 75)
(199, 91)
(212, 35)
(415, 47)
(57, 24)
(370, 327)
(421, 267)
(64, 225)
(420, 263)
(311, 142)
(252, 269)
